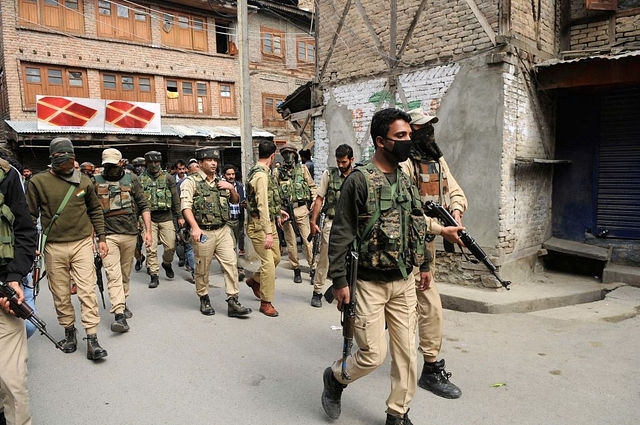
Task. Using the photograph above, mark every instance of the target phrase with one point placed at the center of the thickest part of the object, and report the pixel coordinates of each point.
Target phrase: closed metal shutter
(618, 186)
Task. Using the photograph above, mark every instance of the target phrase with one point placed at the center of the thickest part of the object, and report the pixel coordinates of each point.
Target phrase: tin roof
(552, 62)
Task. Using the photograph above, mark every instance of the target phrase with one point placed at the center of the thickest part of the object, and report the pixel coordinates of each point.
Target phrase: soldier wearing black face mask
(121, 196)
(430, 172)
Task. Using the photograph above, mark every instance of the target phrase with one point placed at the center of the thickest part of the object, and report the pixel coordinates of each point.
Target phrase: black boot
(297, 277)
(316, 300)
(398, 420)
(94, 351)
(69, 343)
(120, 325)
(139, 262)
(331, 394)
(168, 270)
(154, 281)
(435, 379)
(236, 309)
(241, 275)
(127, 313)
(205, 306)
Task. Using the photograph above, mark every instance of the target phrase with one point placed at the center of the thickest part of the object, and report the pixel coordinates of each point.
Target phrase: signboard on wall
(81, 114)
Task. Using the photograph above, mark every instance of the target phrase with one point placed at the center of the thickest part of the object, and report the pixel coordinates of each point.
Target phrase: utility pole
(246, 138)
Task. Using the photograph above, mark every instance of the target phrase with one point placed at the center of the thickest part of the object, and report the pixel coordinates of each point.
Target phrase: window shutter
(601, 4)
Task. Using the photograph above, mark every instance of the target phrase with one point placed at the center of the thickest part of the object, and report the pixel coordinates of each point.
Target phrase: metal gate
(618, 170)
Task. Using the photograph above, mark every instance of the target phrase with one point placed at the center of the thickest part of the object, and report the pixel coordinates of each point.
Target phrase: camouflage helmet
(87, 167)
(138, 161)
(288, 148)
(153, 156)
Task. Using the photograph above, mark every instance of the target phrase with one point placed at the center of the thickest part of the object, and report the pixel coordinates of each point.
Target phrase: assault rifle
(435, 210)
(292, 216)
(25, 312)
(97, 263)
(37, 274)
(316, 245)
(348, 316)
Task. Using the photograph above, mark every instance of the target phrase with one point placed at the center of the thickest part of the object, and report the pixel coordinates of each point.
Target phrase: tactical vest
(294, 186)
(333, 192)
(115, 196)
(157, 191)
(275, 202)
(210, 204)
(396, 239)
(433, 182)
(7, 237)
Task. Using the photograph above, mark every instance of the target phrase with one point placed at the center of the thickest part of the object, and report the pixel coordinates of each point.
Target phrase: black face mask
(424, 144)
(401, 149)
(112, 172)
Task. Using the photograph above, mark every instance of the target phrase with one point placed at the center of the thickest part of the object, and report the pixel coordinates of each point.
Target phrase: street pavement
(176, 366)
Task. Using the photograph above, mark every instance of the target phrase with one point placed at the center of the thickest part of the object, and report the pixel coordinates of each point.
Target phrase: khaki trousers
(269, 258)
(302, 219)
(117, 265)
(166, 233)
(14, 396)
(430, 322)
(73, 260)
(219, 243)
(323, 258)
(393, 302)
(237, 232)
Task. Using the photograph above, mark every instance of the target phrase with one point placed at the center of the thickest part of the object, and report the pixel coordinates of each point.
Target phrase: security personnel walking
(264, 208)
(430, 172)
(88, 169)
(326, 201)
(121, 196)
(164, 201)
(299, 189)
(15, 263)
(380, 212)
(69, 210)
(205, 205)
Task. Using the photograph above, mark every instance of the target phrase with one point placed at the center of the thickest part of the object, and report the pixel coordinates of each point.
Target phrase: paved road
(177, 366)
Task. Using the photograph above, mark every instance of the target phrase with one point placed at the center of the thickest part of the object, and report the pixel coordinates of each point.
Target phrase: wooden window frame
(171, 102)
(198, 39)
(134, 95)
(68, 89)
(271, 34)
(232, 111)
(307, 42)
(36, 13)
(275, 120)
(135, 31)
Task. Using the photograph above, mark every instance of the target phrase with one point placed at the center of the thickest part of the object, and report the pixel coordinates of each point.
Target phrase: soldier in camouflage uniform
(328, 195)
(264, 208)
(205, 205)
(299, 189)
(139, 166)
(164, 201)
(380, 211)
(430, 172)
(118, 191)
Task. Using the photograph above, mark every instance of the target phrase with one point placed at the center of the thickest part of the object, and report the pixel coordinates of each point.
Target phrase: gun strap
(55, 217)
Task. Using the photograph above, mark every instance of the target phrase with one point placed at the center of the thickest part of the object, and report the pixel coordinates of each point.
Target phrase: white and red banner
(81, 114)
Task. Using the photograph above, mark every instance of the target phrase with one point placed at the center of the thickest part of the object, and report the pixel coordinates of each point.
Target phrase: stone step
(624, 274)
(577, 249)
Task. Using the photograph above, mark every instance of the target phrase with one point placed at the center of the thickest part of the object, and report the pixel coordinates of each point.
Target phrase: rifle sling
(55, 217)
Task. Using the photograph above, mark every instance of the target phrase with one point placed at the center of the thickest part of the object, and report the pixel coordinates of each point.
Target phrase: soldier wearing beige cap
(121, 195)
(430, 172)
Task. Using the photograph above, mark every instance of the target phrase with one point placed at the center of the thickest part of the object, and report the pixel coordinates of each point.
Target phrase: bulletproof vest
(157, 191)
(294, 186)
(275, 202)
(396, 240)
(433, 184)
(115, 196)
(333, 192)
(7, 237)
(210, 204)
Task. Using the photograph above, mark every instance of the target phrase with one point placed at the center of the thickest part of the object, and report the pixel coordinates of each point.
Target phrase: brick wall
(592, 29)
(524, 21)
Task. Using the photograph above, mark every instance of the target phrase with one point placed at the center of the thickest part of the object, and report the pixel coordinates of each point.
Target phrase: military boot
(120, 325)
(94, 351)
(435, 379)
(398, 420)
(127, 313)
(297, 277)
(205, 306)
(69, 343)
(154, 281)
(331, 394)
(316, 300)
(139, 262)
(168, 270)
(241, 275)
(236, 309)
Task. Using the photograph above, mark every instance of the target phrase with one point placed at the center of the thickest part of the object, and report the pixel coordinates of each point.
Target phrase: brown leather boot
(255, 286)
(267, 309)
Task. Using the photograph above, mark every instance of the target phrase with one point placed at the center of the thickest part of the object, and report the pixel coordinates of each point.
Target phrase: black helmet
(138, 161)
(153, 156)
